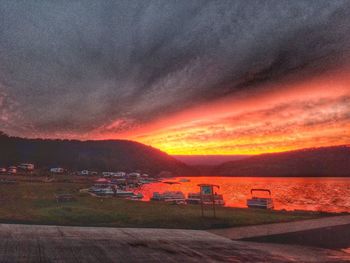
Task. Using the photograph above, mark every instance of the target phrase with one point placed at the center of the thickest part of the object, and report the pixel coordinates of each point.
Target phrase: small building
(107, 174)
(57, 170)
(134, 175)
(83, 173)
(87, 173)
(119, 174)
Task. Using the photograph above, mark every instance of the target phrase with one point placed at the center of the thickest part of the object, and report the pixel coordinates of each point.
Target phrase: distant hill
(108, 155)
(325, 161)
(114, 155)
(208, 159)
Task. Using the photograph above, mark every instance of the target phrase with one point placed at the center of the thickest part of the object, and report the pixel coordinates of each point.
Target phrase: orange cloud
(286, 117)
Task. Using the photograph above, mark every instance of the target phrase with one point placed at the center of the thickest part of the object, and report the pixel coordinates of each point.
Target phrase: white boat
(138, 196)
(123, 193)
(195, 198)
(260, 202)
(169, 196)
(105, 191)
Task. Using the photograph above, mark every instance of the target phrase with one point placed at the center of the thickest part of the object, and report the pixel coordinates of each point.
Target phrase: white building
(134, 175)
(57, 170)
(119, 174)
(87, 173)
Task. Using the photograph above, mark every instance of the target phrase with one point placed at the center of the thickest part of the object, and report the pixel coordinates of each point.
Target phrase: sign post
(207, 192)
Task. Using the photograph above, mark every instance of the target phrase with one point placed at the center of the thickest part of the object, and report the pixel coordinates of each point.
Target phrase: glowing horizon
(286, 116)
(314, 113)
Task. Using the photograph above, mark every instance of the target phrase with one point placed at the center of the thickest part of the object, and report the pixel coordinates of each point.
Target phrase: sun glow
(284, 117)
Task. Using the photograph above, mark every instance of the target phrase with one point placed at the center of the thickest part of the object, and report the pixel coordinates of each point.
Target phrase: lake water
(315, 194)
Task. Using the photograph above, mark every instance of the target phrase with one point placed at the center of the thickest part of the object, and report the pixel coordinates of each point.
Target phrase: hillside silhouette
(105, 155)
(325, 161)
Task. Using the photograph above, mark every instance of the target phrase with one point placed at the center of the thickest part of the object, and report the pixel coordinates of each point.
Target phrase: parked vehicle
(26, 166)
(12, 170)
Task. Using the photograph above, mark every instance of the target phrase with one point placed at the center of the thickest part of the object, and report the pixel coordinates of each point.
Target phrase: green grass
(34, 203)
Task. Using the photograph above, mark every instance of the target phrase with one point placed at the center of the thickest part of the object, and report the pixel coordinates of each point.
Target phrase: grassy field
(33, 202)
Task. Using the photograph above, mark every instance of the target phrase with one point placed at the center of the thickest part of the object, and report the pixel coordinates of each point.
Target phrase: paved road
(281, 228)
(30, 243)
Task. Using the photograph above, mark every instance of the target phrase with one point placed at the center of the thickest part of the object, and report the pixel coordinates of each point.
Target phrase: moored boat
(260, 202)
(169, 196)
(104, 191)
(108, 189)
(124, 193)
(195, 198)
(137, 196)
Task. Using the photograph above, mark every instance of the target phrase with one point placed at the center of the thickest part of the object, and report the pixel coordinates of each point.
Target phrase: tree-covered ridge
(104, 155)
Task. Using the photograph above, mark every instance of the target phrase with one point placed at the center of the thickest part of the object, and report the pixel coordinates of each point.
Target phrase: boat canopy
(213, 185)
(259, 190)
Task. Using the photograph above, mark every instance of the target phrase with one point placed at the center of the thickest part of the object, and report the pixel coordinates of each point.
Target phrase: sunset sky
(187, 77)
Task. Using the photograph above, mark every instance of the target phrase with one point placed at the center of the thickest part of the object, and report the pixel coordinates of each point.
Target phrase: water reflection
(315, 194)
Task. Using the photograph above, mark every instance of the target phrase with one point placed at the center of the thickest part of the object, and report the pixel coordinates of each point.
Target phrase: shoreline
(33, 202)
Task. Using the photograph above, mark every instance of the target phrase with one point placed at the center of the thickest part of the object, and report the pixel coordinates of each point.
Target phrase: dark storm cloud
(74, 66)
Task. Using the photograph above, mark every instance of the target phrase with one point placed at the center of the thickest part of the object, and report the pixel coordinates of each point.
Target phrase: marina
(292, 194)
(279, 193)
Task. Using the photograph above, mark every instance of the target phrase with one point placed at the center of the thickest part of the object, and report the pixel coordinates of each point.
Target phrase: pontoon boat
(260, 202)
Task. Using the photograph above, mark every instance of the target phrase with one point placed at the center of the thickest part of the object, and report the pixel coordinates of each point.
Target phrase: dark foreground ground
(335, 237)
(31, 243)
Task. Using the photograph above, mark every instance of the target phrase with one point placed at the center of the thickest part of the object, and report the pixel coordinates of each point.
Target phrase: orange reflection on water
(314, 194)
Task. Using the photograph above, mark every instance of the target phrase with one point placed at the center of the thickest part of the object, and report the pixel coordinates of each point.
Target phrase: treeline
(104, 155)
(113, 155)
